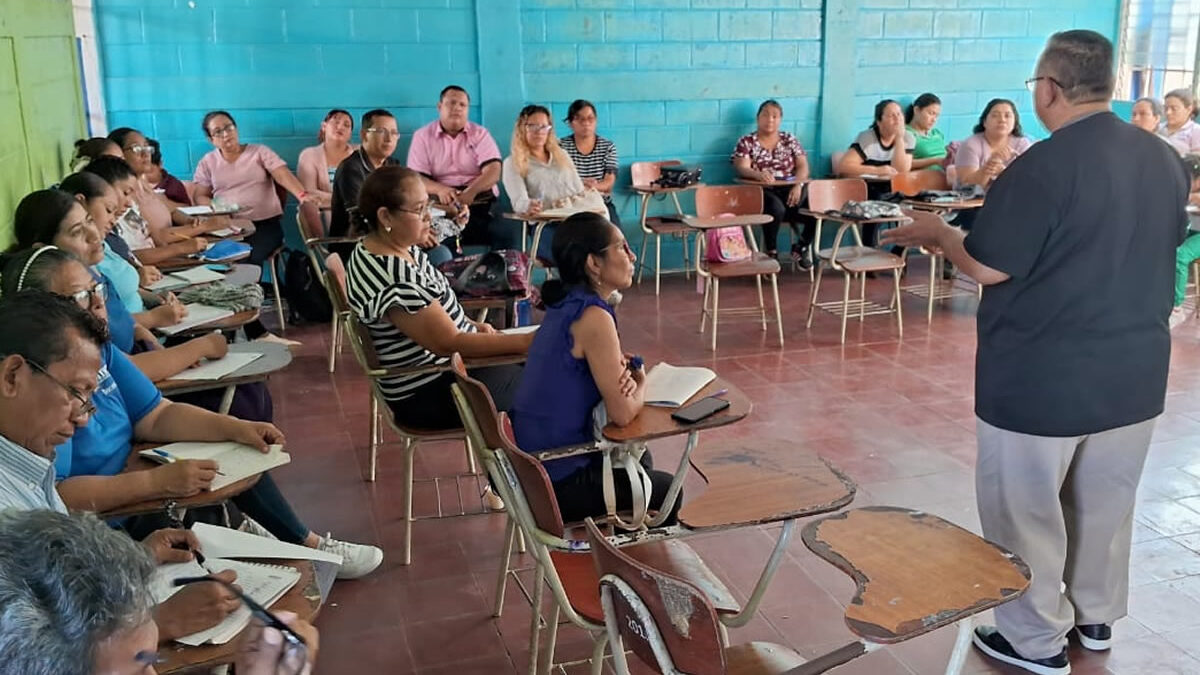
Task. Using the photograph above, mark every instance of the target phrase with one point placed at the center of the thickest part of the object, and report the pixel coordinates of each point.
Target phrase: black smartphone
(705, 407)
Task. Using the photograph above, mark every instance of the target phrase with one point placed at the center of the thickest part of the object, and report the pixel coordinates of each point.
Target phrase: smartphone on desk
(705, 407)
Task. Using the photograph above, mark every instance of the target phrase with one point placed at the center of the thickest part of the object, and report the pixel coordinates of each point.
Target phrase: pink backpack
(726, 244)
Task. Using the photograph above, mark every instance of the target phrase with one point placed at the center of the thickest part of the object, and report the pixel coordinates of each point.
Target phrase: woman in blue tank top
(575, 363)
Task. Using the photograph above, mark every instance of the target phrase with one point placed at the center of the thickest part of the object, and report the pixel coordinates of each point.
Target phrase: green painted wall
(40, 99)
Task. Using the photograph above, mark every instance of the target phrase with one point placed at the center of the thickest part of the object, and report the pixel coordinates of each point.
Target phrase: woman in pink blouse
(998, 140)
(318, 164)
(770, 155)
(1181, 130)
(245, 174)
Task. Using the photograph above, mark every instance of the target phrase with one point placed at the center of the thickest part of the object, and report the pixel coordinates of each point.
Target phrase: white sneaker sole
(1018, 662)
(1092, 644)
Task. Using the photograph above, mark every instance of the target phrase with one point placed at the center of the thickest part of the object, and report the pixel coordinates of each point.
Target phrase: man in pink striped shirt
(460, 163)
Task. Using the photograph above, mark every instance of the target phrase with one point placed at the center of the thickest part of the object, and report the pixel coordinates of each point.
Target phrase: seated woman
(246, 174)
(166, 223)
(921, 117)
(87, 149)
(539, 176)
(410, 311)
(129, 409)
(318, 164)
(595, 157)
(882, 150)
(172, 188)
(576, 364)
(1181, 130)
(1189, 251)
(998, 140)
(1147, 115)
(770, 155)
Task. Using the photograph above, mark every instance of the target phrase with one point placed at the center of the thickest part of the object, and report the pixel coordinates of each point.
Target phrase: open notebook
(234, 460)
(670, 386)
(218, 368)
(197, 315)
(185, 278)
(264, 583)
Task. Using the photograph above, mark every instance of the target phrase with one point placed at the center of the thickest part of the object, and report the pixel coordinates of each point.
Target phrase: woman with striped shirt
(595, 157)
(410, 310)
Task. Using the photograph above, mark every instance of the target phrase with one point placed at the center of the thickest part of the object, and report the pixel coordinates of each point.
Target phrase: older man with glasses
(75, 600)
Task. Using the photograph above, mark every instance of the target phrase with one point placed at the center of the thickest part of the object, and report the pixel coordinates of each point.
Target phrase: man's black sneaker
(989, 641)
(1096, 637)
(800, 256)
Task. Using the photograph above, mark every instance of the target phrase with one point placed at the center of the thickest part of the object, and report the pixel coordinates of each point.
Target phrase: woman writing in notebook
(576, 365)
(126, 408)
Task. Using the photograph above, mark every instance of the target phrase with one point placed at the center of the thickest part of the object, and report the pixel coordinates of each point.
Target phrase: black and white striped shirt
(377, 283)
(598, 163)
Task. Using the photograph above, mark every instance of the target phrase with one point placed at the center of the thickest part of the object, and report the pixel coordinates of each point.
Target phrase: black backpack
(306, 296)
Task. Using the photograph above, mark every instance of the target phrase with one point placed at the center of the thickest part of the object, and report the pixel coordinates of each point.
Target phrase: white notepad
(670, 386)
(197, 315)
(234, 460)
(223, 542)
(265, 584)
(226, 231)
(218, 368)
(205, 210)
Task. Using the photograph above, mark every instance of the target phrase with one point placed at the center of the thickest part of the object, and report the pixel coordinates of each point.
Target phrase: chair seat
(760, 658)
(578, 574)
(658, 225)
(863, 259)
(759, 263)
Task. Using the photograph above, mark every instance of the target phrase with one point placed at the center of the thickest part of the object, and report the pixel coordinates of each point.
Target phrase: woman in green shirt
(921, 116)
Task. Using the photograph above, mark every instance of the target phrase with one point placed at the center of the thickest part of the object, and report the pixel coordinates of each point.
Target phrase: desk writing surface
(275, 357)
(655, 422)
(229, 323)
(961, 205)
(771, 183)
(184, 262)
(659, 189)
(702, 223)
(304, 599)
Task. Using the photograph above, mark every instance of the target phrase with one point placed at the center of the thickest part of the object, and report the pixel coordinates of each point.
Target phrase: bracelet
(302, 195)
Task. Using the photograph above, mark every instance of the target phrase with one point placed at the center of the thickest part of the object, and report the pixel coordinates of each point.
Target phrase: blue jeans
(439, 254)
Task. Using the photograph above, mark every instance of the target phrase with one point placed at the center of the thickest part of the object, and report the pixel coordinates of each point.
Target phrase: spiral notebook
(264, 583)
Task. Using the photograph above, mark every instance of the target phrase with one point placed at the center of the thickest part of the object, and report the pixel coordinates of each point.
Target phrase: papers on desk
(264, 583)
(518, 330)
(226, 232)
(218, 368)
(206, 210)
(234, 460)
(185, 278)
(670, 386)
(198, 315)
(222, 542)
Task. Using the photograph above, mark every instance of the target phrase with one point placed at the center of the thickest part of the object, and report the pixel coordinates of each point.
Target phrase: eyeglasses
(624, 244)
(1031, 83)
(140, 149)
(295, 649)
(221, 131)
(538, 128)
(148, 659)
(86, 407)
(87, 296)
(386, 133)
(423, 211)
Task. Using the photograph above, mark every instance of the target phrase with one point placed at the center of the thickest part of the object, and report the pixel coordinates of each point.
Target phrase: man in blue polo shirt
(1075, 247)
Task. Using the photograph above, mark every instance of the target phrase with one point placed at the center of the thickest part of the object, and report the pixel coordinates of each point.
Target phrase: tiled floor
(895, 414)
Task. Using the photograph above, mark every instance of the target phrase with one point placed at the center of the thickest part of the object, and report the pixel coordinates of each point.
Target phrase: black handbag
(678, 176)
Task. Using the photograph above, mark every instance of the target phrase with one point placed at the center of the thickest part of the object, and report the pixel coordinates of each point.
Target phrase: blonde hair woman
(539, 175)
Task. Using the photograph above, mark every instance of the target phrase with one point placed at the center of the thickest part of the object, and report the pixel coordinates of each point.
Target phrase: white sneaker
(1178, 316)
(491, 500)
(358, 560)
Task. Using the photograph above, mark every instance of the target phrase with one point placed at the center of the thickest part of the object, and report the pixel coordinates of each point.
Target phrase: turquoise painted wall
(671, 78)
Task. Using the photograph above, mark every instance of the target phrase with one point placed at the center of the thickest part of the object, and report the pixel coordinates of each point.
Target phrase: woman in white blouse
(539, 175)
(1181, 130)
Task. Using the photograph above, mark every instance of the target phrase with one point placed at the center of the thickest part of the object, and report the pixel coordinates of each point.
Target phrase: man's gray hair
(1081, 62)
(67, 583)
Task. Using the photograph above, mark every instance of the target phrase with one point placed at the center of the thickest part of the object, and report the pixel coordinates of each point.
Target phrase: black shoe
(989, 641)
(947, 270)
(800, 256)
(1096, 637)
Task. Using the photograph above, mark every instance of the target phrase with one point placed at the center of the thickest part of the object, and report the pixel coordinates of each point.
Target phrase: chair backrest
(361, 342)
(833, 193)
(742, 200)
(308, 217)
(667, 622)
(644, 173)
(480, 415)
(914, 182)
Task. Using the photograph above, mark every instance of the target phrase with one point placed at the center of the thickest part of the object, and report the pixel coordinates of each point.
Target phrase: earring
(386, 228)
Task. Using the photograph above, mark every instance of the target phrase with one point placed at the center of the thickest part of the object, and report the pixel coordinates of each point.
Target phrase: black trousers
(268, 236)
(775, 205)
(432, 407)
(581, 494)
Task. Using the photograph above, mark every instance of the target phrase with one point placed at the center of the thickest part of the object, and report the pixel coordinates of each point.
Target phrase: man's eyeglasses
(1031, 83)
(221, 131)
(86, 407)
(386, 133)
(87, 296)
(295, 649)
(537, 128)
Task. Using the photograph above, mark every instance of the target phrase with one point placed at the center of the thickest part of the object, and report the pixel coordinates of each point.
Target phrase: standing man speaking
(1075, 246)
